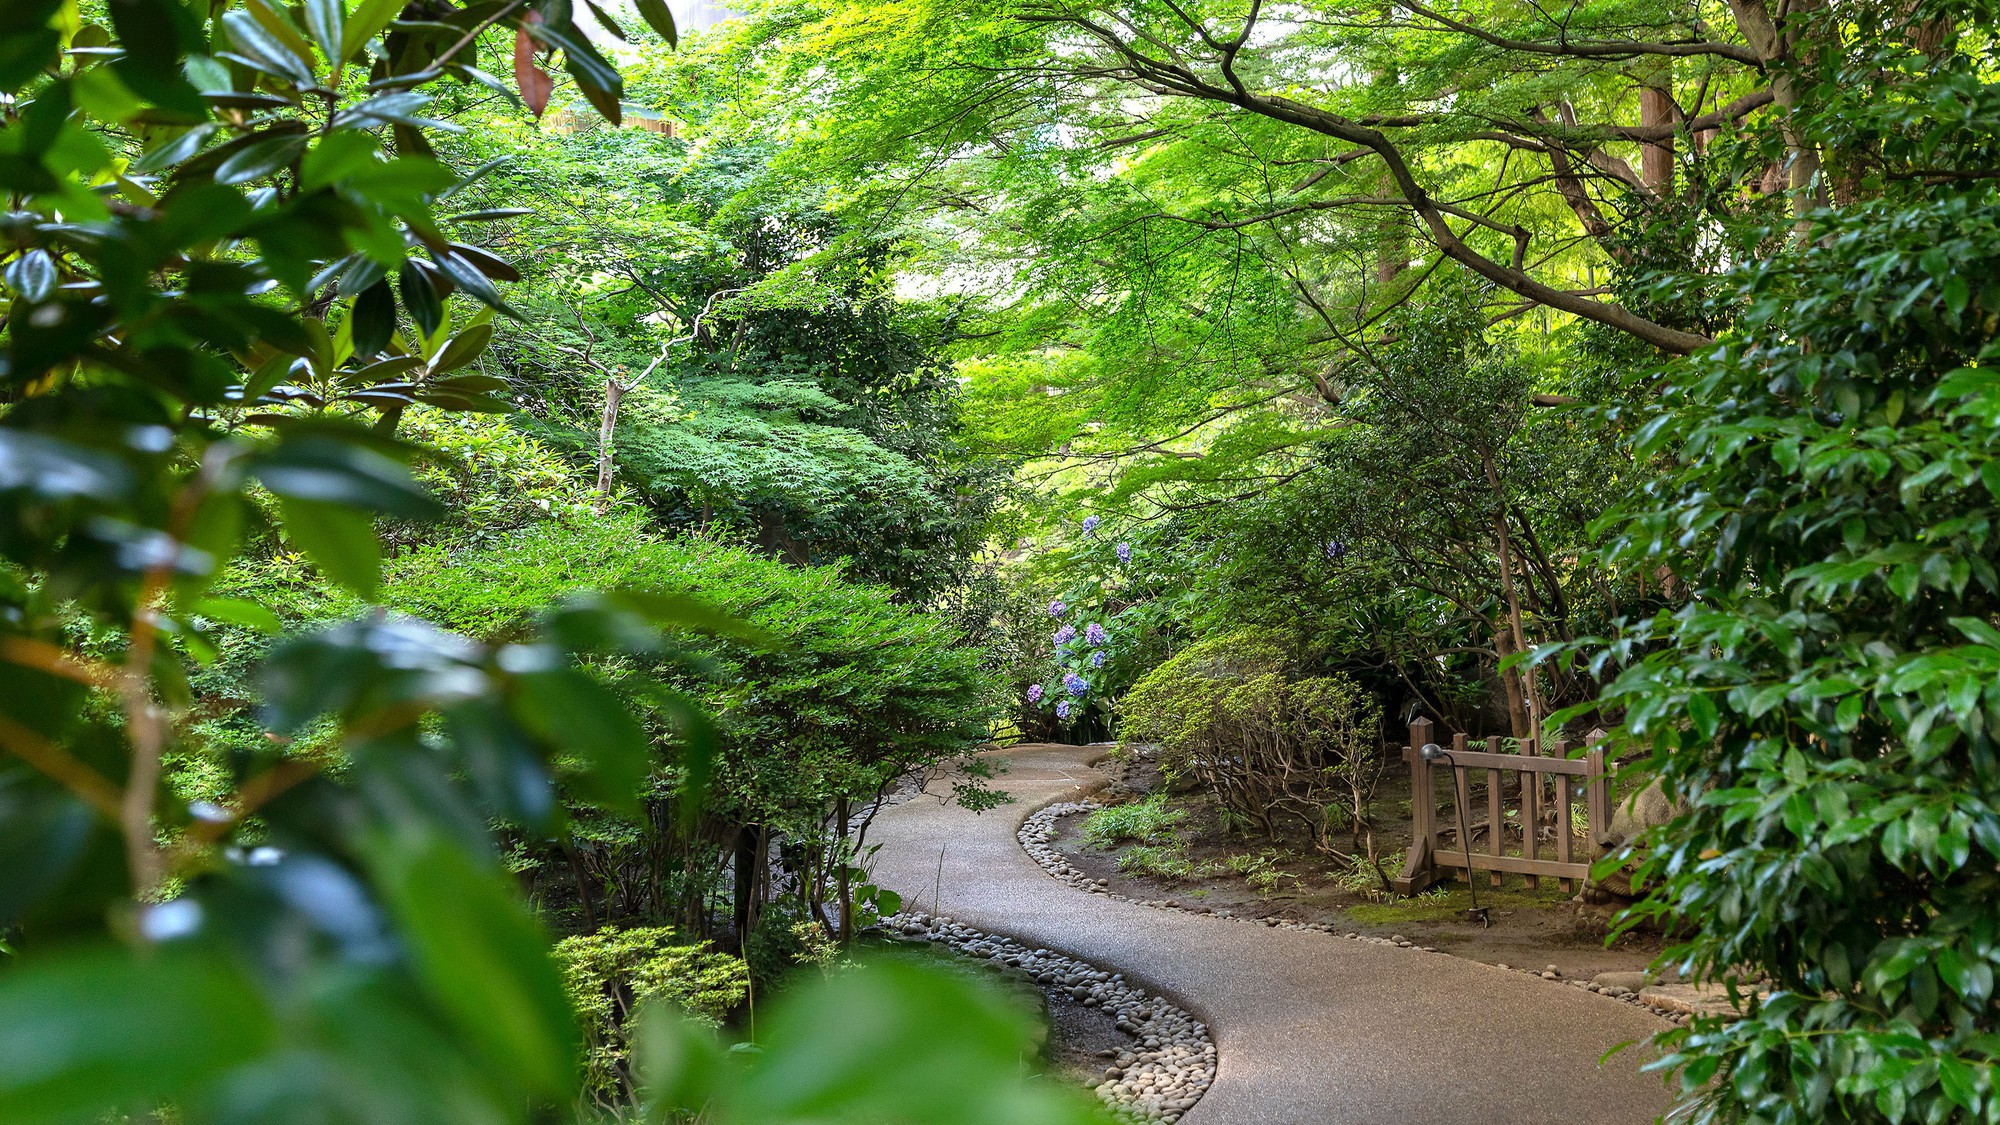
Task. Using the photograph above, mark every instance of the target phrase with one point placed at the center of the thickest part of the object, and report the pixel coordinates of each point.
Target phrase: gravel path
(1311, 1029)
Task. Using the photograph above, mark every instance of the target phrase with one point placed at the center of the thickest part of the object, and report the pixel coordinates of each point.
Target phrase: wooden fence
(1536, 774)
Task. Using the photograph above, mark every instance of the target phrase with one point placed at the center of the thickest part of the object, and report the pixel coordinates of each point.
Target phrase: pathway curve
(1311, 1029)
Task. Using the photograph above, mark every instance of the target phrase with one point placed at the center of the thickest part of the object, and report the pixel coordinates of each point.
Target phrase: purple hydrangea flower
(1034, 693)
(1097, 659)
(1090, 524)
(1094, 633)
(1075, 684)
(1062, 709)
(1057, 609)
(1336, 550)
(1124, 552)
(1066, 634)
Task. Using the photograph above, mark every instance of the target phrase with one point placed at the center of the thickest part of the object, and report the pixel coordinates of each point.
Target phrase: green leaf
(262, 50)
(261, 159)
(368, 21)
(843, 1048)
(1702, 710)
(338, 156)
(97, 1032)
(583, 717)
(157, 35)
(331, 469)
(327, 20)
(463, 349)
(657, 17)
(482, 960)
(420, 298)
(374, 319)
(339, 540)
(236, 611)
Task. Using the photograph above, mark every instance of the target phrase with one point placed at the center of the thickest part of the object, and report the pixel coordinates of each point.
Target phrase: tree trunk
(1504, 546)
(1656, 107)
(748, 849)
(841, 816)
(607, 426)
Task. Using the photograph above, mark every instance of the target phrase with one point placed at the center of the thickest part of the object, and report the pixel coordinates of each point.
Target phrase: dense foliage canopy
(476, 469)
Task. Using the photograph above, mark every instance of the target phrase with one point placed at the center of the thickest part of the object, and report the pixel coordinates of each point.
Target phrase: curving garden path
(1310, 1029)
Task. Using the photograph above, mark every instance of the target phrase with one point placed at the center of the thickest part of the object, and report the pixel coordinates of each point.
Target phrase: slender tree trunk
(1504, 546)
(607, 426)
(582, 886)
(748, 849)
(840, 813)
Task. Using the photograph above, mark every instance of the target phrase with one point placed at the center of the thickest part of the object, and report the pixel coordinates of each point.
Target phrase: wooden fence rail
(1536, 774)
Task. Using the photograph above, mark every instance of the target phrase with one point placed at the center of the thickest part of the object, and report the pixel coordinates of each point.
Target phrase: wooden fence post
(1564, 836)
(1496, 819)
(1597, 798)
(1418, 869)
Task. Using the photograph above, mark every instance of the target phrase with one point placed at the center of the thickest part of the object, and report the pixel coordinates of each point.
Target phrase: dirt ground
(1532, 927)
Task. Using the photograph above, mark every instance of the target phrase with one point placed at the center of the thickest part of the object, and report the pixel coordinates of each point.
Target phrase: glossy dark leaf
(469, 278)
(156, 35)
(257, 47)
(264, 158)
(493, 266)
(463, 349)
(660, 19)
(327, 20)
(491, 215)
(367, 21)
(26, 53)
(32, 276)
(374, 319)
(420, 298)
(50, 467)
(605, 21)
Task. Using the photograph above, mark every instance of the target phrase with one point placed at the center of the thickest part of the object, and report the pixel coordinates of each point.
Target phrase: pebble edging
(1038, 834)
(1158, 1077)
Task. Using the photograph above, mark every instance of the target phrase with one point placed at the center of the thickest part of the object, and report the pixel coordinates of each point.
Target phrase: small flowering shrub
(1076, 669)
(1273, 748)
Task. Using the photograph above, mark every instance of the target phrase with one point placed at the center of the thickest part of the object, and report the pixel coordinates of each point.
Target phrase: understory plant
(1827, 704)
(1271, 747)
(614, 974)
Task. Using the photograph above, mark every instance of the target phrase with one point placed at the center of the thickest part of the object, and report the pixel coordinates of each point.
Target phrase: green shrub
(1149, 821)
(1269, 746)
(610, 975)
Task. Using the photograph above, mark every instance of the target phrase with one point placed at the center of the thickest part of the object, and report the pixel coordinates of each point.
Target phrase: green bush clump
(611, 975)
(835, 690)
(1149, 822)
(1269, 745)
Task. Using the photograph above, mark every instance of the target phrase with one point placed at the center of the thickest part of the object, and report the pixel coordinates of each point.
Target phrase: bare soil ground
(1227, 873)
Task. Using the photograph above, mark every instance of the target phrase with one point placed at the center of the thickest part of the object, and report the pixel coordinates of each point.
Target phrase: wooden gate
(1545, 790)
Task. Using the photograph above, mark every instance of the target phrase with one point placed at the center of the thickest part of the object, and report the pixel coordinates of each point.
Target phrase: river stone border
(1158, 1078)
(1038, 833)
